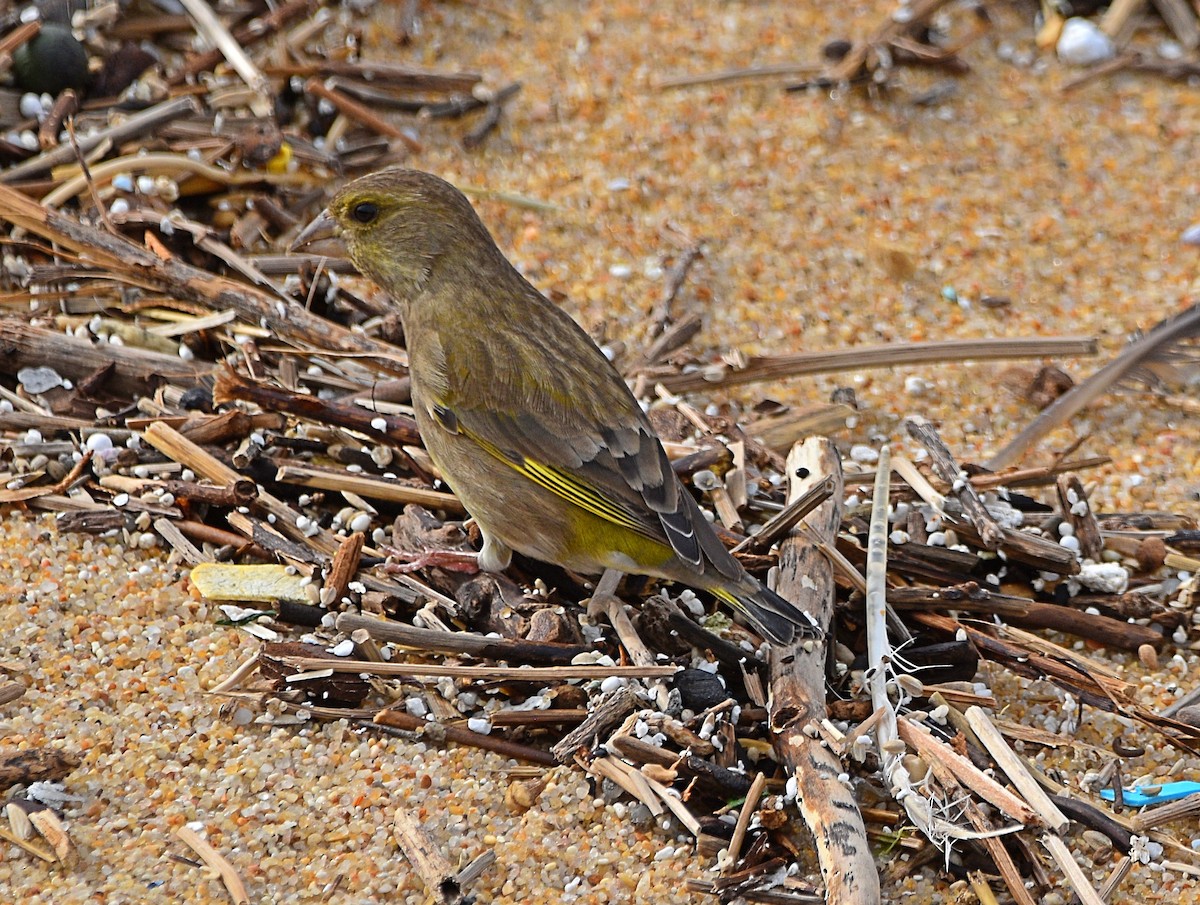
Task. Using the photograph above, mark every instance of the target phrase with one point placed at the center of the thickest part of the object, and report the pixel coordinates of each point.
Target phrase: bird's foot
(451, 560)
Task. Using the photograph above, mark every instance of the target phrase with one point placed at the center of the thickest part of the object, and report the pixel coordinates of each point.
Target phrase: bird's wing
(596, 450)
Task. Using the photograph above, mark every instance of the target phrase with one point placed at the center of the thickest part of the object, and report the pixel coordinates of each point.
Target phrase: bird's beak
(321, 237)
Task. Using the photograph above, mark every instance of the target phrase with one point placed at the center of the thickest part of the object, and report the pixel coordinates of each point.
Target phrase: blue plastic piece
(1167, 791)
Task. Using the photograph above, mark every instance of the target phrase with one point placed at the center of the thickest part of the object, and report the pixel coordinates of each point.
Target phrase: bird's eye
(365, 211)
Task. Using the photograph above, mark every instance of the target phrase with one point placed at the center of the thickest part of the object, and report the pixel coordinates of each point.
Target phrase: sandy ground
(1070, 205)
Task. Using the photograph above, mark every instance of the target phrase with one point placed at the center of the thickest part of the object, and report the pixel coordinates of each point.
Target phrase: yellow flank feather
(564, 484)
(575, 491)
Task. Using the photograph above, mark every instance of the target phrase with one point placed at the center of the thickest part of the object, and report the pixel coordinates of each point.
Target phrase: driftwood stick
(35, 765)
(605, 600)
(1113, 633)
(489, 673)
(425, 639)
(609, 710)
(1077, 880)
(442, 882)
(177, 447)
(252, 30)
(933, 751)
(215, 31)
(216, 861)
(128, 262)
(798, 691)
(372, 488)
(439, 733)
(126, 369)
(1073, 501)
(948, 469)
(398, 429)
(138, 124)
(361, 113)
(1162, 336)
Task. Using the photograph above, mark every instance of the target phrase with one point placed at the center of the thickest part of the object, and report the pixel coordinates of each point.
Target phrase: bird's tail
(779, 620)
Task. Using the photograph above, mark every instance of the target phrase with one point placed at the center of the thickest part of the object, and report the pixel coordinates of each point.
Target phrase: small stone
(1082, 43)
(1189, 714)
(1148, 656)
(1151, 554)
(52, 62)
(39, 380)
(700, 690)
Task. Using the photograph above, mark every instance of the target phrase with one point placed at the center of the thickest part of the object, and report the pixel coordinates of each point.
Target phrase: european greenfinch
(526, 419)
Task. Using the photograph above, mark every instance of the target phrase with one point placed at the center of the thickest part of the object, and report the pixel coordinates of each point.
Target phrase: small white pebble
(1082, 43)
(342, 648)
(864, 455)
(30, 106)
(612, 683)
(98, 442)
(480, 725)
(1105, 577)
(917, 386)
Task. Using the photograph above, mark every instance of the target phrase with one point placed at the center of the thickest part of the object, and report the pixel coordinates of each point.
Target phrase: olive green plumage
(530, 424)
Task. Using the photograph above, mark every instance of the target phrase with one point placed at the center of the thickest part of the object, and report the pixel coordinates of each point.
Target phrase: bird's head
(399, 226)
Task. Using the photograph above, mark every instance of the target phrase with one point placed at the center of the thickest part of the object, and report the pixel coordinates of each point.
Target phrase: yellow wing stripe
(568, 487)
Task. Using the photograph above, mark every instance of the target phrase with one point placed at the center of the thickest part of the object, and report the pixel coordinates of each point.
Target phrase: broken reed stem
(783, 521)
(523, 673)
(1164, 813)
(216, 861)
(930, 749)
(743, 821)
(860, 358)
(146, 121)
(991, 739)
(879, 649)
(1076, 879)
(947, 468)
(218, 35)
(371, 488)
(442, 882)
(180, 449)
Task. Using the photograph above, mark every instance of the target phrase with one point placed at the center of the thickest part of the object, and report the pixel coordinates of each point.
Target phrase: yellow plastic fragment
(258, 583)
